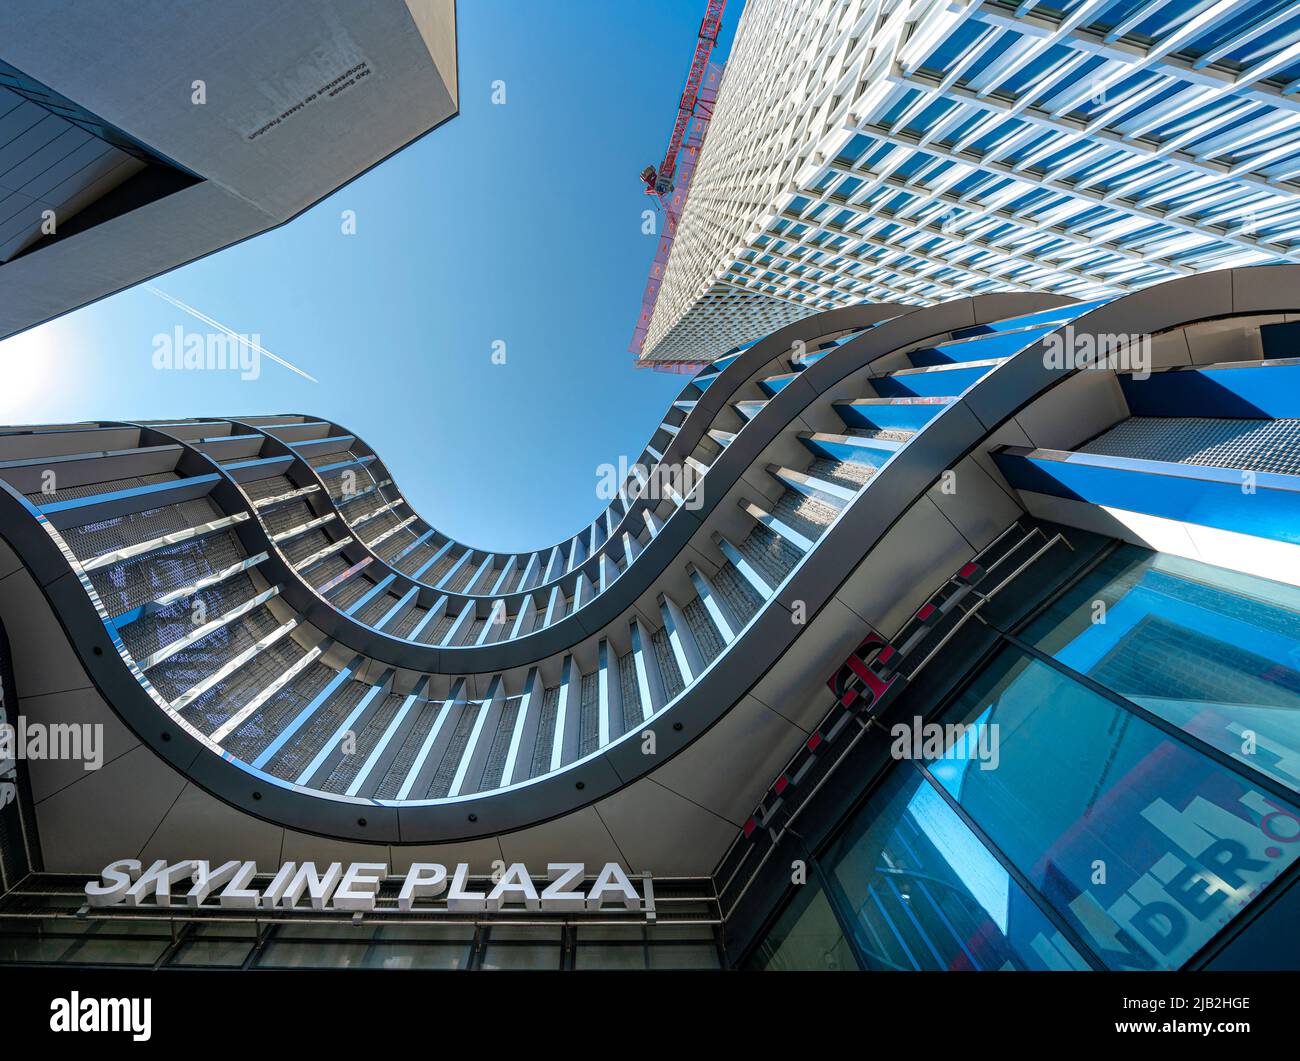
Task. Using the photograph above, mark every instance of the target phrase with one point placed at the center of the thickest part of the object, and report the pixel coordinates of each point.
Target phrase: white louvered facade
(923, 150)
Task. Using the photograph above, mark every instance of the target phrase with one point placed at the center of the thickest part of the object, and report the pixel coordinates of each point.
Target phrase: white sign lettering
(355, 887)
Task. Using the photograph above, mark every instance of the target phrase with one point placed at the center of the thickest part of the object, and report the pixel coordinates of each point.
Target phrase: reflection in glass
(926, 894)
(1147, 846)
(1214, 652)
(806, 937)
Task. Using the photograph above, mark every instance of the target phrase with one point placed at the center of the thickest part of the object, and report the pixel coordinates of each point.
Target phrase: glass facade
(1109, 791)
(1214, 652)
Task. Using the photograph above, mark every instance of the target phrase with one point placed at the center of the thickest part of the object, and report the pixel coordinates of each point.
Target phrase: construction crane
(659, 183)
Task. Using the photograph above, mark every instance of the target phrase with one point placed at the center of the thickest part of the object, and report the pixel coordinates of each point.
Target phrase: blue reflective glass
(1212, 651)
(927, 894)
(1146, 846)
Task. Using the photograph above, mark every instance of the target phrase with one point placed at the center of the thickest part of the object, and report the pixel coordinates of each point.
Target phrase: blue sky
(519, 223)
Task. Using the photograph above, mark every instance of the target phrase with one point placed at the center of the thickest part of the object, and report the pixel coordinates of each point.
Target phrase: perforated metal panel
(706, 634)
(272, 486)
(192, 664)
(589, 715)
(545, 732)
(333, 480)
(770, 553)
(496, 757)
(439, 569)
(806, 515)
(381, 524)
(260, 728)
(131, 583)
(230, 694)
(1253, 445)
(884, 434)
(436, 632)
(663, 656)
(461, 578)
(737, 592)
(462, 723)
(220, 702)
(348, 767)
(290, 761)
(68, 493)
(416, 559)
(375, 610)
(106, 536)
(324, 570)
(287, 516)
(406, 620)
(632, 709)
(298, 549)
(318, 460)
(151, 632)
(351, 592)
(405, 758)
(852, 474)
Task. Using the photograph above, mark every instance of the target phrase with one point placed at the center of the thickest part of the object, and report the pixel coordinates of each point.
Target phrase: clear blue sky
(519, 222)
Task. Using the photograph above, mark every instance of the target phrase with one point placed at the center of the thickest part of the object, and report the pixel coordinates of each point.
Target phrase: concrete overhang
(298, 100)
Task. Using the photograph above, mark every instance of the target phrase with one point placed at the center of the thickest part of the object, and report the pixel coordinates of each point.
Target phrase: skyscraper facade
(918, 151)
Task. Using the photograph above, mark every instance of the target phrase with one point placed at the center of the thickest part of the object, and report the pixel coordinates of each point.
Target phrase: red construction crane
(660, 183)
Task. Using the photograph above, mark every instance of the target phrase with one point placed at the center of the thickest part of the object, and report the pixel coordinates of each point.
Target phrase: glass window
(658, 932)
(530, 933)
(33, 948)
(927, 894)
(612, 933)
(95, 951)
(1214, 652)
(26, 926)
(417, 956)
(521, 956)
(1145, 845)
(805, 937)
(685, 956)
(440, 933)
(126, 927)
(240, 929)
(307, 954)
(326, 930)
(212, 952)
(610, 956)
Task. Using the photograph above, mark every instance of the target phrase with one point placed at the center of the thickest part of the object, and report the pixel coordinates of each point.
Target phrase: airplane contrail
(233, 334)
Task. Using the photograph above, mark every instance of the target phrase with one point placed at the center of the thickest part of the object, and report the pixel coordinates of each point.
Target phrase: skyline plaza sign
(354, 887)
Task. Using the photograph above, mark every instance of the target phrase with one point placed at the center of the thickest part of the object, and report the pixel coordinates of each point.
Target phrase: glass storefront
(1110, 790)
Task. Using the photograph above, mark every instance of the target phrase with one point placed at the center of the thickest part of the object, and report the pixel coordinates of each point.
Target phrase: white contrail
(233, 334)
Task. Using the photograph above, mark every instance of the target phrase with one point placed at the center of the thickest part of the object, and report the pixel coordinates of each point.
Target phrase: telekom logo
(855, 680)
